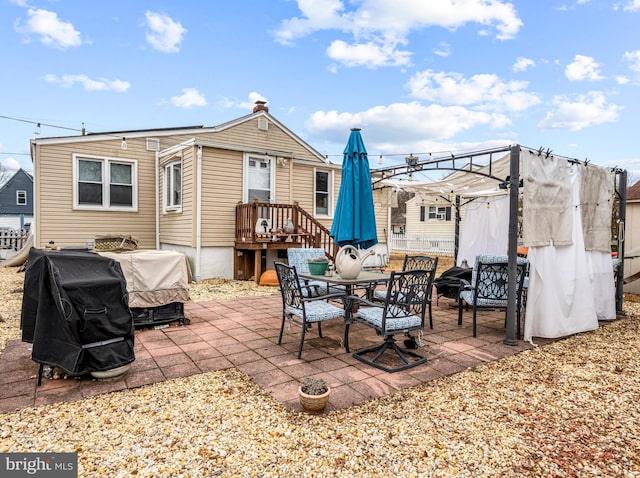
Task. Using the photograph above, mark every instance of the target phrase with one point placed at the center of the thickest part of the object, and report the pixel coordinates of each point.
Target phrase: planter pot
(314, 404)
(318, 268)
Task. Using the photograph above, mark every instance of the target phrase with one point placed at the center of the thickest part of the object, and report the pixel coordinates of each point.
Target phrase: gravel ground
(570, 408)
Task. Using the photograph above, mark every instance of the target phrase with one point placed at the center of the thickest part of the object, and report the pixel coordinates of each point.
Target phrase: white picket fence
(442, 246)
(11, 240)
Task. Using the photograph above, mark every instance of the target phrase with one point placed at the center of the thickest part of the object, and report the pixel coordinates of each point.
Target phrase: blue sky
(417, 76)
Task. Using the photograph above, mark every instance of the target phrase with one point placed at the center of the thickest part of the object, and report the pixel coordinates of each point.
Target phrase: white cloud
(165, 33)
(486, 91)
(368, 54)
(583, 68)
(522, 64)
(10, 164)
(379, 27)
(632, 6)
(101, 84)
(622, 80)
(443, 49)
(587, 110)
(228, 103)
(51, 30)
(403, 121)
(189, 97)
(633, 57)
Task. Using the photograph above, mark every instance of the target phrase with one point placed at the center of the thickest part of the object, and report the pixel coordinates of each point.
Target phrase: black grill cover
(448, 284)
(75, 311)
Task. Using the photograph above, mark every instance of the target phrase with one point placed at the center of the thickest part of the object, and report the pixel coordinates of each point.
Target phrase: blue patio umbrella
(354, 221)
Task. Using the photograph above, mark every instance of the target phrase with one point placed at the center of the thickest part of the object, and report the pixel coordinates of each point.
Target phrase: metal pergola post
(456, 242)
(622, 216)
(514, 182)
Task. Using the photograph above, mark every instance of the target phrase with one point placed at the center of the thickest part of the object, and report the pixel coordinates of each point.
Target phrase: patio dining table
(367, 280)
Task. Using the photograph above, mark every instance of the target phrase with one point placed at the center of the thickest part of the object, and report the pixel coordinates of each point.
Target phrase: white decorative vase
(289, 227)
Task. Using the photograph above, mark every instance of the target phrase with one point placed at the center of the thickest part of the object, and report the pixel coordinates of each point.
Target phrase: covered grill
(448, 284)
(75, 312)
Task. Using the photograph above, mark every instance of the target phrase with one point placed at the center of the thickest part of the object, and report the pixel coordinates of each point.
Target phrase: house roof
(633, 192)
(186, 130)
(7, 184)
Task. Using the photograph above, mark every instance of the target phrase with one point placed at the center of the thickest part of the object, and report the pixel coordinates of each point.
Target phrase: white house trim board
(198, 195)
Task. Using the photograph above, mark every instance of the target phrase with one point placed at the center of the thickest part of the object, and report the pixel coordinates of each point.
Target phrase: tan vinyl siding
(178, 227)
(57, 220)
(284, 182)
(381, 209)
(302, 190)
(248, 134)
(222, 190)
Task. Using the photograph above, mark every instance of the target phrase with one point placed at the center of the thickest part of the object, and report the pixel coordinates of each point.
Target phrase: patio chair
(402, 312)
(299, 258)
(302, 309)
(489, 286)
(411, 263)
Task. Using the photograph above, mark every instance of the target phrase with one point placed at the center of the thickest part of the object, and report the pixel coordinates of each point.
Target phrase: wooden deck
(261, 226)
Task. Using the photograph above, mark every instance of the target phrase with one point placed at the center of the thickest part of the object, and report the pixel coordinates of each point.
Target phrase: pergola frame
(512, 183)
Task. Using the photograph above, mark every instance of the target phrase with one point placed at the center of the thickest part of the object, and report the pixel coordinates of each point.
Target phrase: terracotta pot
(314, 404)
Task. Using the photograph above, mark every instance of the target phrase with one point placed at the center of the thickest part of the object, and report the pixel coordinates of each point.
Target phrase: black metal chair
(402, 312)
(418, 262)
(301, 308)
(489, 286)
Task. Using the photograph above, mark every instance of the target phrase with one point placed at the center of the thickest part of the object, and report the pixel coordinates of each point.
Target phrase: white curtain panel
(569, 288)
(485, 229)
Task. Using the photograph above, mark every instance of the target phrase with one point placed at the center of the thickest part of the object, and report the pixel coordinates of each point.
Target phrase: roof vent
(263, 124)
(153, 144)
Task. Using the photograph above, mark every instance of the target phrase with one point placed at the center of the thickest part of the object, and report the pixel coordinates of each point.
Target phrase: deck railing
(307, 229)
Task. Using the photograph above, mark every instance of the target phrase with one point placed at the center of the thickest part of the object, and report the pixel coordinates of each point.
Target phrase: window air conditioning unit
(440, 216)
(153, 144)
(263, 124)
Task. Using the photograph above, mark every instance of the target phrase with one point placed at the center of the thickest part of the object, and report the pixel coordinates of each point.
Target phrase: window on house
(173, 186)
(440, 213)
(322, 193)
(258, 179)
(21, 198)
(435, 213)
(104, 183)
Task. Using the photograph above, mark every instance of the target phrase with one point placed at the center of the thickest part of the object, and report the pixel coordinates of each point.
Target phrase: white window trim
(330, 186)
(440, 216)
(167, 168)
(24, 193)
(245, 176)
(105, 183)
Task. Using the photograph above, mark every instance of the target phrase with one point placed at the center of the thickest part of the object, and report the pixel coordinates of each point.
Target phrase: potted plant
(318, 266)
(314, 394)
